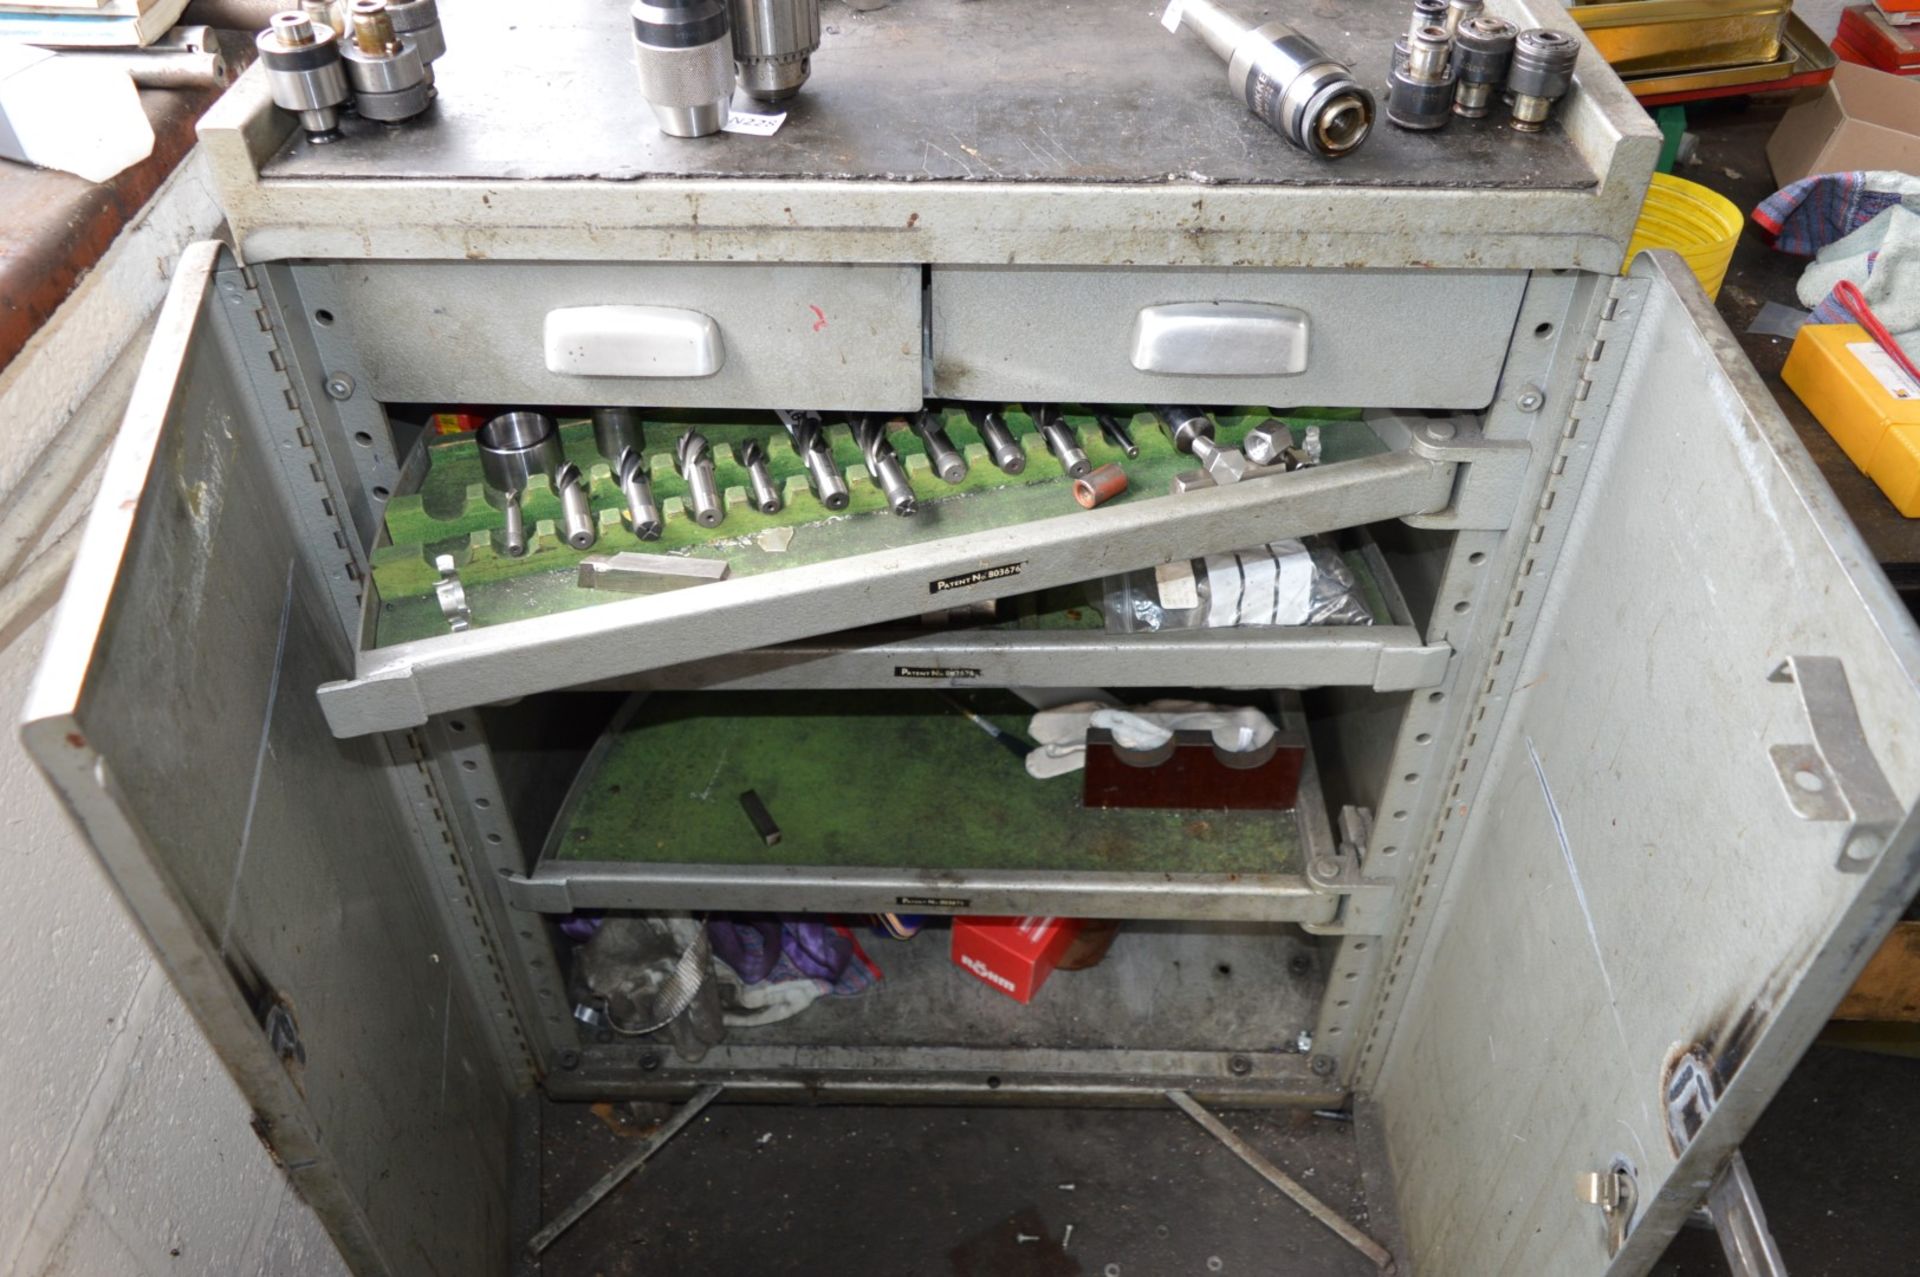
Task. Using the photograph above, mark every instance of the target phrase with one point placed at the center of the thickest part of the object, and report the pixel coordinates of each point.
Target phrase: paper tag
(1293, 591)
(1880, 365)
(757, 125)
(1179, 592)
(1171, 18)
(1224, 588)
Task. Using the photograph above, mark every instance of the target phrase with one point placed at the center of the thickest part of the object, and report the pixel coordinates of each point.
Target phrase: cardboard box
(1013, 955)
(1863, 119)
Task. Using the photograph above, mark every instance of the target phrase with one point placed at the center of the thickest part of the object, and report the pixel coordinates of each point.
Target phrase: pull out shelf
(894, 803)
(400, 685)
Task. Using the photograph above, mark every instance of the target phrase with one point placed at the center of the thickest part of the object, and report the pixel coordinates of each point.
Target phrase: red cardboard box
(1013, 955)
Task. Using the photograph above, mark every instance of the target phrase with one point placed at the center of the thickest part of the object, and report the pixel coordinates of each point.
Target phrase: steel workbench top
(956, 131)
(922, 90)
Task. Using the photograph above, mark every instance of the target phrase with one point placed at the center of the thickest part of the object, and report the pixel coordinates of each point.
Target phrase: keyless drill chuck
(1287, 80)
(1420, 94)
(1540, 75)
(304, 72)
(685, 58)
(389, 80)
(1481, 54)
(773, 46)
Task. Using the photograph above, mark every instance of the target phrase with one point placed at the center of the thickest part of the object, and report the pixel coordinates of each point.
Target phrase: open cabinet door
(272, 867)
(1694, 824)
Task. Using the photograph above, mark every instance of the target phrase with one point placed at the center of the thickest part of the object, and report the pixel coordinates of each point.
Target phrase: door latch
(1616, 1193)
(1835, 778)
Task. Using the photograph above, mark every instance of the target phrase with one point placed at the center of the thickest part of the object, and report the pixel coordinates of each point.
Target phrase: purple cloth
(1815, 211)
(755, 946)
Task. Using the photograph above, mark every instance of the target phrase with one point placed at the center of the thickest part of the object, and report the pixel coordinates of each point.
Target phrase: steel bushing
(1481, 54)
(1540, 74)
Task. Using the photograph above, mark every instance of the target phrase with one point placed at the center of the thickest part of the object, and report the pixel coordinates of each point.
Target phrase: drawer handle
(1221, 339)
(633, 341)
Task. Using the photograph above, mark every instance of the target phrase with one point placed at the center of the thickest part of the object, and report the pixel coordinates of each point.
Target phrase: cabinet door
(272, 867)
(1694, 821)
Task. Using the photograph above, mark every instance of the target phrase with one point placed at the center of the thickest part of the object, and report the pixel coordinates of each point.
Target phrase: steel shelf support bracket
(1836, 777)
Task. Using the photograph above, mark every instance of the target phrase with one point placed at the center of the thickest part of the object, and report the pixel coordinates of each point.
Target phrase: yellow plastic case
(1869, 406)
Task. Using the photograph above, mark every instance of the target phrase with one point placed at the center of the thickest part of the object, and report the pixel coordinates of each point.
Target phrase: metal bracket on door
(1836, 777)
(1486, 487)
(1732, 1203)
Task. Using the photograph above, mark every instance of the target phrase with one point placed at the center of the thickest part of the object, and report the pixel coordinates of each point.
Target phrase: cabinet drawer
(1370, 339)
(813, 336)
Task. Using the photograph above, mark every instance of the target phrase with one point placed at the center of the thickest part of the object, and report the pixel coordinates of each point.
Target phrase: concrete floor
(954, 1191)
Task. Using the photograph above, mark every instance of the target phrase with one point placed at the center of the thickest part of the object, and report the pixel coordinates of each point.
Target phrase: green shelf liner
(879, 780)
(450, 514)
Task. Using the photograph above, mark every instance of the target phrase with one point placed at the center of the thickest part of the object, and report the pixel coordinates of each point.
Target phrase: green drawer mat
(450, 514)
(874, 780)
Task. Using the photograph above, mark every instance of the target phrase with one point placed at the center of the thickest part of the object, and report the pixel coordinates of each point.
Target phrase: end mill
(1062, 442)
(515, 449)
(622, 440)
(695, 458)
(947, 461)
(999, 441)
(1117, 434)
(576, 508)
(883, 464)
(1286, 79)
(766, 497)
(304, 72)
(816, 454)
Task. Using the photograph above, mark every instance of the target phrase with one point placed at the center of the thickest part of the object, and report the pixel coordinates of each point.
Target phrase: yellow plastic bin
(1699, 224)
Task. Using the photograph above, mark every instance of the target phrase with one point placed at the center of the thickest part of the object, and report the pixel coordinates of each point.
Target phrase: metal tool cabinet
(1630, 774)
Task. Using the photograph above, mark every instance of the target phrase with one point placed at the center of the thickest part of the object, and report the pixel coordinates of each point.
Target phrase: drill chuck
(773, 46)
(684, 55)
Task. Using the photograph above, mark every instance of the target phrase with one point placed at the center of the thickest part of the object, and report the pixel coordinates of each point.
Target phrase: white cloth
(1893, 289)
(1060, 734)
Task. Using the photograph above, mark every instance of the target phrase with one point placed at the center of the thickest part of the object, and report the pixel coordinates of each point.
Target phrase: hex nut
(1265, 443)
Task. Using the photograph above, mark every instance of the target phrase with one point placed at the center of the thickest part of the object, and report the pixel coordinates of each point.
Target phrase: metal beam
(1386, 658)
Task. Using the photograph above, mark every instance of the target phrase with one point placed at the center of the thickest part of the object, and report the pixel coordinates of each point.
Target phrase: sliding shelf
(893, 802)
(1437, 471)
